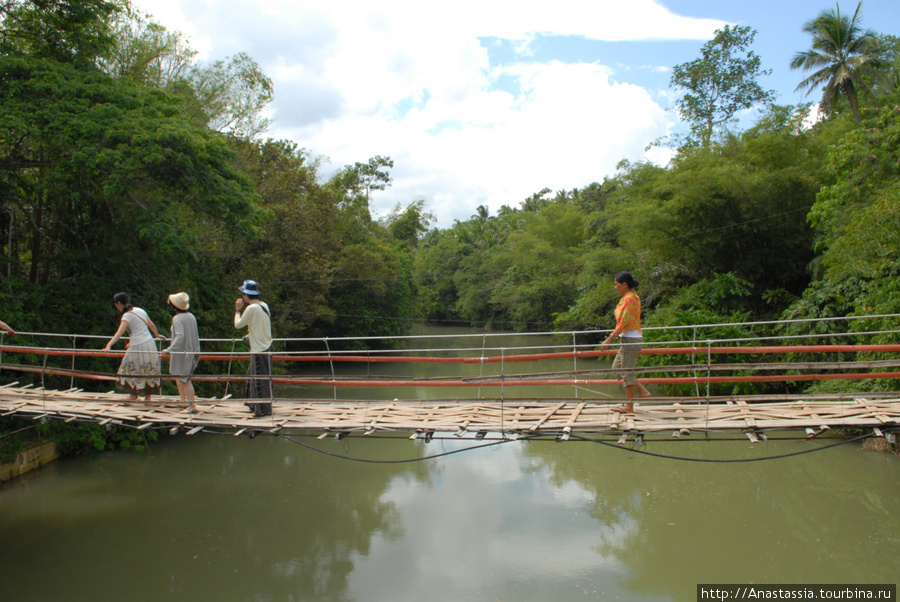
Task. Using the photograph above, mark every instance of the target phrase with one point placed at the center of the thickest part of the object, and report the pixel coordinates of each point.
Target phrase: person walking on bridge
(138, 373)
(253, 314)
(628, 329)
(184, 350)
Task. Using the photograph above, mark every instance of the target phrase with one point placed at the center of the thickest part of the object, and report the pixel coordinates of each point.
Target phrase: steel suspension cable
(576, 437)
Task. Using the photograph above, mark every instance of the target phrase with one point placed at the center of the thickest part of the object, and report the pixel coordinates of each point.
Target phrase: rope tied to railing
(331, 363)
(694, 359)
(228, 383)
(708, 377)
(2, 346)
(502, 401)
(575, 361)
(43, 370)
(481, 362)
(74, 347)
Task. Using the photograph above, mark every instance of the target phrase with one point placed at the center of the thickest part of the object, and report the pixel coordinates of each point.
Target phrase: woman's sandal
(620, 410)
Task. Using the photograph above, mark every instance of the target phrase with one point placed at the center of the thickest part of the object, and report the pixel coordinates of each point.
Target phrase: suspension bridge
(489, 386)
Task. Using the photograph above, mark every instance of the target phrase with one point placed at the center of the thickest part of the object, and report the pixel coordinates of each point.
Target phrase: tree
(146, 52)
(374, 175)
(536, 268)
(295, 255)
(353, 183)
(437, 260)
(842, 52)
(889, 47)
(107, 180)
(65, 31)
(720, 83)
(736, 209)
(226, 95)
(230, 96)
(406, 226)
(858, 216)
(536, 201)
(482, 213)
(350, 187)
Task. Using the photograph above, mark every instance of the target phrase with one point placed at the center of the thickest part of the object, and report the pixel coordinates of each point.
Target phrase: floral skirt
(139, 372)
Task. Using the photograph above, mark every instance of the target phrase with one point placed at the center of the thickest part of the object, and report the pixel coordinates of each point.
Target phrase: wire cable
(577, 438)
(403, 461)
(721, 461)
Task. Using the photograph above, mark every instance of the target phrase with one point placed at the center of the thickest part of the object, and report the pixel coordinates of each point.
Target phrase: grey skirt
(627, 357)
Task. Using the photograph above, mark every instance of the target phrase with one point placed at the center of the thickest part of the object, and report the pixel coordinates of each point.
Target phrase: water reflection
(211, 518)
(800, 520)
(225, 518)
(491, 526)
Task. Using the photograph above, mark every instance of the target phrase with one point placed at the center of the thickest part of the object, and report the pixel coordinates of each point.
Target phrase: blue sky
(484, 102)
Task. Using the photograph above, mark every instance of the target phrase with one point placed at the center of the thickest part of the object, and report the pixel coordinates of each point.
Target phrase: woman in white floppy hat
(184, 351)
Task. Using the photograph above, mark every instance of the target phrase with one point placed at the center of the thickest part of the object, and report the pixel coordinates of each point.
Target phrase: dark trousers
(259, 385)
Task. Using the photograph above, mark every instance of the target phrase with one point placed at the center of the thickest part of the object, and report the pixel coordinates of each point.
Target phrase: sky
(486, 102)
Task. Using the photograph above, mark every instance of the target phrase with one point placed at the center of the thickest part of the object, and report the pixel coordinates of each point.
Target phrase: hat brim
(186, 307)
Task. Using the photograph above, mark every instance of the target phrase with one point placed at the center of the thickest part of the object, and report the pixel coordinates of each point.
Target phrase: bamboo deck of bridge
(511, 417)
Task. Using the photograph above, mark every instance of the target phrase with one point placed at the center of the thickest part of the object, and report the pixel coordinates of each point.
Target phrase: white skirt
(139, 372)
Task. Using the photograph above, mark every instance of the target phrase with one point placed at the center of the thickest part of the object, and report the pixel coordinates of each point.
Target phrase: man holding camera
(253, 314)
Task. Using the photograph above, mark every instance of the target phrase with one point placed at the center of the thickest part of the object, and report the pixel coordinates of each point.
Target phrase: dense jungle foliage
(126, 165)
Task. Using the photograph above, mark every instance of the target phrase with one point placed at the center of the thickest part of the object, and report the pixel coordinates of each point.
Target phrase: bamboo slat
(559, 418)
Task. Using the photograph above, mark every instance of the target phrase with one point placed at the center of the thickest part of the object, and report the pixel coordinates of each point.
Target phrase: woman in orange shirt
(628, 329)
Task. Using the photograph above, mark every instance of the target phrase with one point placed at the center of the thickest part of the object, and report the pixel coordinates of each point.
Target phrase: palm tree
(841, 53)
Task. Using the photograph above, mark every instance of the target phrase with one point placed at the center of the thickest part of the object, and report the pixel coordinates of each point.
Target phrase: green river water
(217, 517)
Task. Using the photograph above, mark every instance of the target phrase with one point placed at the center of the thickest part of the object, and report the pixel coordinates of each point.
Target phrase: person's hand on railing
(5, 327)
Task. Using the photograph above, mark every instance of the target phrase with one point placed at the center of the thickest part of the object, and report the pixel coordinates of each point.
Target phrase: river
(210, 517)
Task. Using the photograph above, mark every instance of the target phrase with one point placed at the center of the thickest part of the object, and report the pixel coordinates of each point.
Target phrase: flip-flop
(619, 409)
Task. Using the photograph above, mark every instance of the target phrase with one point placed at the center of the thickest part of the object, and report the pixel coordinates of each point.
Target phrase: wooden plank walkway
(512, 417)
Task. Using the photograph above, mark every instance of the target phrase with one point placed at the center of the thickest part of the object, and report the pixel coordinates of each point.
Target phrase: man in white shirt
(253, 314)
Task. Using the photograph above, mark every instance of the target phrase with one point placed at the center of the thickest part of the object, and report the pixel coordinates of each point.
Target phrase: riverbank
(33, 455)
(880, 444)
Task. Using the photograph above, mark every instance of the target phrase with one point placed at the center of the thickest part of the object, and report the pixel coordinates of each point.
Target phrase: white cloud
(813, 116)
(438, 555)
(570, 126)
(413, 80)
